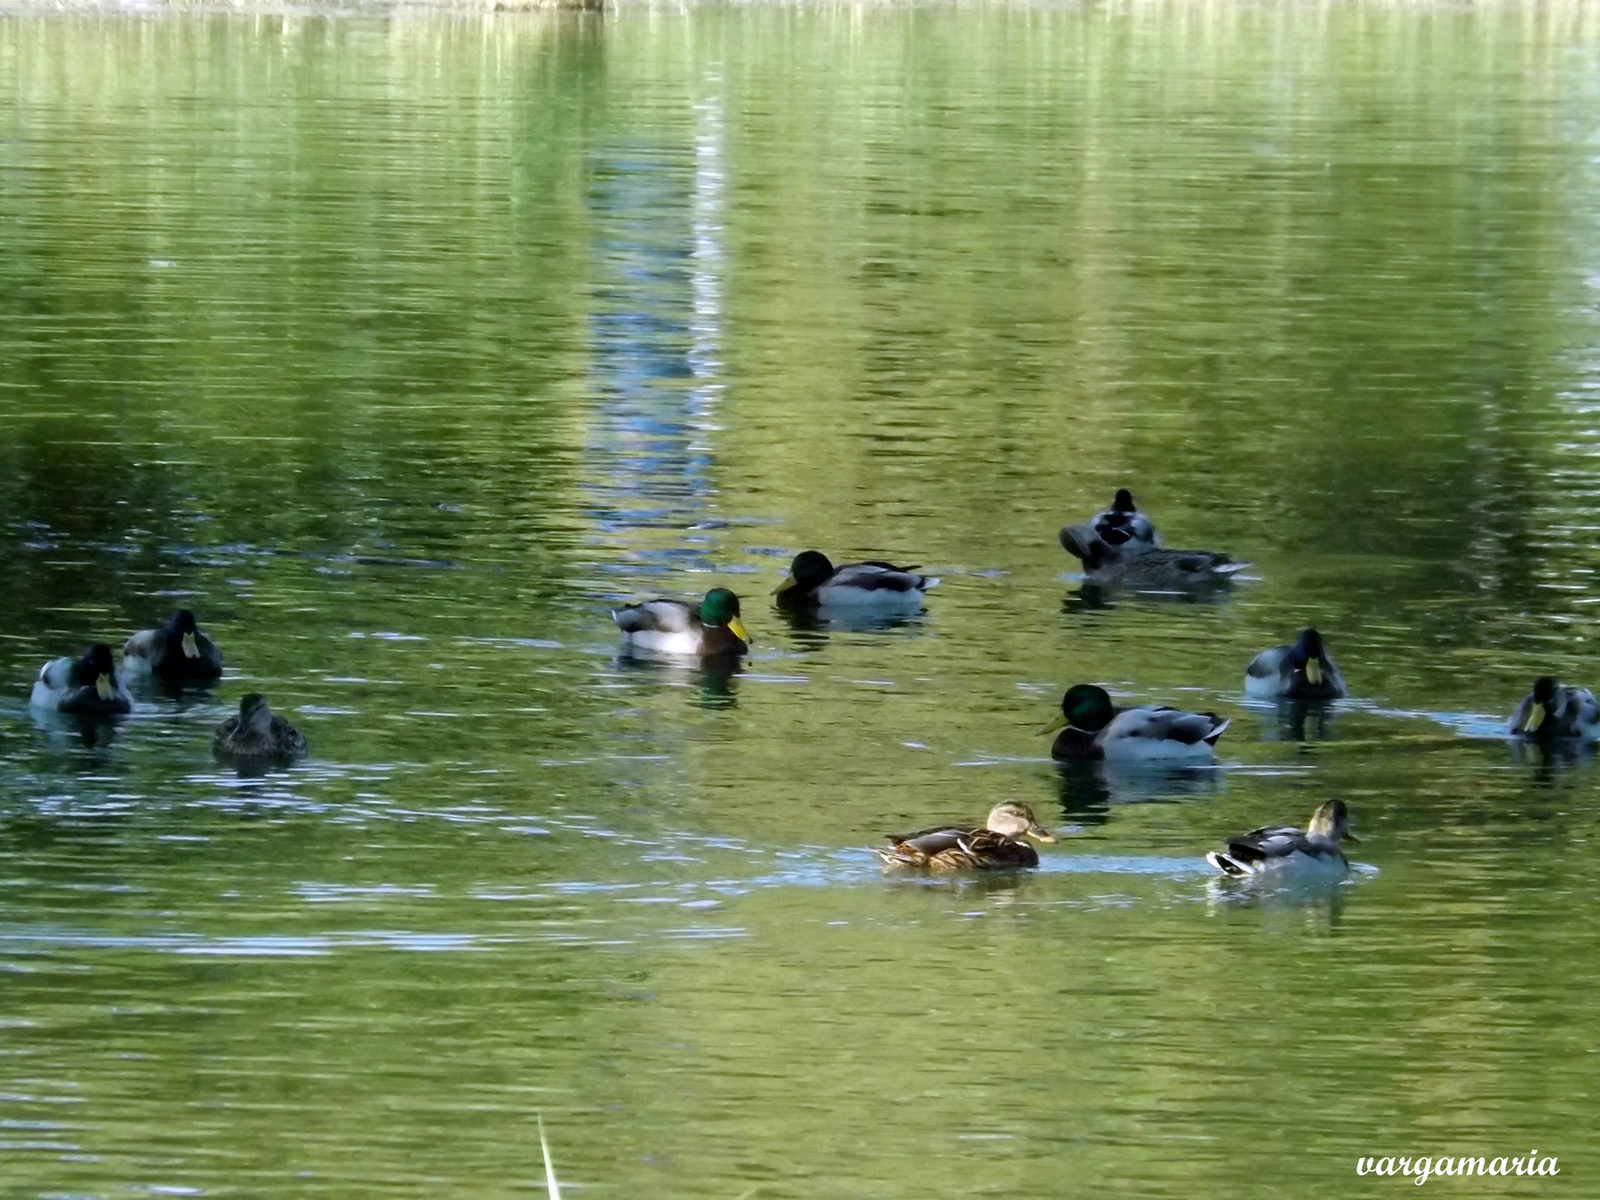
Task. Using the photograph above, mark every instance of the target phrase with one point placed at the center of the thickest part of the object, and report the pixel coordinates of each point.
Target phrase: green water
(401, 349)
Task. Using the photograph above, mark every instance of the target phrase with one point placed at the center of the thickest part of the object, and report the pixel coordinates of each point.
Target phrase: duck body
(84, 686)
(1552, 713)
(996, 845)
(1148, 569)
(1124, 527)
(814, 582)
(256, 733)
(1285, 850)
(177, 652)
(673, 627)
(1093, 729)
(1302, 671)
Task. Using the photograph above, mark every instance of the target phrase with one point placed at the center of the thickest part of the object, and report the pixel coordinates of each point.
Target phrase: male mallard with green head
(1276, 849)
(673, 627)
(255, 732)
(84, 686)
(1554, 713)
(177, 652)
(813, 581)
(1093, 728)
(996, 845)
(1302, 671)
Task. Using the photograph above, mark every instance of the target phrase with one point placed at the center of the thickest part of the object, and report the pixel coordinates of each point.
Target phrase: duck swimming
(1552, 713)
(673, 627)
(1124, 527)
(1314, 850)
(1147, 569)
(1093, 728)
(1302, 671)
(814, 580)
(256, 732)
(996, 845)
(87, 685)
(177, 652)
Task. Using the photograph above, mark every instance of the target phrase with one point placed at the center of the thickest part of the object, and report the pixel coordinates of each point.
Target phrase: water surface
(402, 348)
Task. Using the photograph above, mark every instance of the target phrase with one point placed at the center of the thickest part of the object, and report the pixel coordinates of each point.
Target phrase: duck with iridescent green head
(673, 627)
(1093, 728)
(814, 582)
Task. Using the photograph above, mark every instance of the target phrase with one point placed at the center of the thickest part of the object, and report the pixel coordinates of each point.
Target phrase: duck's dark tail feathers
(1225, 864)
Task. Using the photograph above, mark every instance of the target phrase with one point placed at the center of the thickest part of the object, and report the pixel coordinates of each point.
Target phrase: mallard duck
(177, 652)
(1093, 728)
(673, 627)
(996, 845)
(1124, 527)
(1108, 566)
(87, 685)
(1302, 671)
(814, 581)
(1276, 848)
(256, 732)
(1551, 712)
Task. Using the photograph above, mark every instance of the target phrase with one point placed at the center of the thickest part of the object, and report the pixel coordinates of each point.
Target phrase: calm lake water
(402, 349)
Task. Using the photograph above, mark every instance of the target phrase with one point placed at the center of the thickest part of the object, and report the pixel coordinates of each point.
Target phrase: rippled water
(403, 348)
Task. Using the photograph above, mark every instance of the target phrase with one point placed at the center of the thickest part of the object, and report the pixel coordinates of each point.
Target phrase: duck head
(184, 630)
(97, 665)
(1309, 657)
(721, 607)
(1084, 707)
(1332, 822)
(809, 568)
(1544, 699)
(1016, 820)
(255, 714)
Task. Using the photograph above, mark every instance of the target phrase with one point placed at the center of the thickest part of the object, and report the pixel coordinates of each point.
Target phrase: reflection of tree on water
(656, 327)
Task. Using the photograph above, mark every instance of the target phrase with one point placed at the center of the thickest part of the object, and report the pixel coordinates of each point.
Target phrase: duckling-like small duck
(256, 733)
(673, 627)
(1093, 728)
(996, 845)
(87, 685)
(1148, 569)
(1552, 713)
(1124, 527)
(1302, 671)
(1314, 850)
(177, 652)
(813, 581)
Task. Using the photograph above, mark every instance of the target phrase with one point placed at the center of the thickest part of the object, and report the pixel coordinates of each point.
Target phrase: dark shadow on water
(1090, 596)
(1321, 901)
(844, 620)
(1089, 790)
(714, 675)
(95, 732)
(1553, 763)
(1298, 721)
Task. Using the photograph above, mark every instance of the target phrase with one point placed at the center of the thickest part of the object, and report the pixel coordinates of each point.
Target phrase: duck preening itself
(255, 732)
(87, 685)
(177, 652)
(813, 581)
(1314, 850)
(1093, 728)
(1302, 671)
(673, 627)
(997, 844)
(1554, 713)
(1147, 568)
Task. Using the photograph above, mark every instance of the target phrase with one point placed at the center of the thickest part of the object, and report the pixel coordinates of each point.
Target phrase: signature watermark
(1423, 1168)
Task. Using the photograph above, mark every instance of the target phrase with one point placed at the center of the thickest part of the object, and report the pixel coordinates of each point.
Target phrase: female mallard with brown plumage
(256, 733)
(997, 845)
(673, 627)
(1093, 728)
